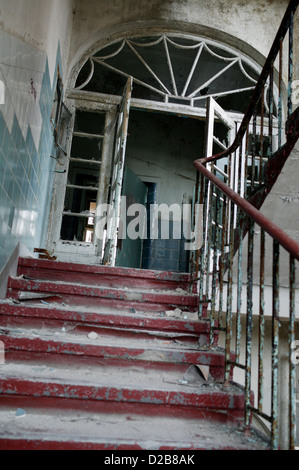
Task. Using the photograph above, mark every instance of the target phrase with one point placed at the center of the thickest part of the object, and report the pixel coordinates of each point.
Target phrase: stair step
(84, 295)
(102, 275)
(111, 382)
(109, 321)
(107, 406)
(56, 429)
(107, 317)
(156, 349)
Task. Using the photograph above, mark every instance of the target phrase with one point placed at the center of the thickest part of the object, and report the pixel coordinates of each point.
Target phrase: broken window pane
(87, 148)
(103, 80)
(83, 177)
(78, 201)
(167, 67)
(83, 174)
(76, 229)
(90, 123)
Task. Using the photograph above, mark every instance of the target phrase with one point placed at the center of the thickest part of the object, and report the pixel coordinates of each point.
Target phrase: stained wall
(34, 44)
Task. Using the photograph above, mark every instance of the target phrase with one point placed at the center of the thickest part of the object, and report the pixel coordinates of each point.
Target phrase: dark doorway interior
(161, 149)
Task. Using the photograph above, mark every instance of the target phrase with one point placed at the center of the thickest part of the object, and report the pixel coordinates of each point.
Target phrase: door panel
(220, 134)
(78, 185)
(110, 250)
(129, 251)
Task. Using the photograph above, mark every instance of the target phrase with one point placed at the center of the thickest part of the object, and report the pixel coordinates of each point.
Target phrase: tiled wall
(26, 144)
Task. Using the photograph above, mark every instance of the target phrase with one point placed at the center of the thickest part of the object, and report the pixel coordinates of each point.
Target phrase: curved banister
(273, 230)
(278, 234)
(259, 86)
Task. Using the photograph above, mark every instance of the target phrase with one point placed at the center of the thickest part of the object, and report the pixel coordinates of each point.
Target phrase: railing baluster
(275, 344)
(202, 258)
(253, 153)
(271, 111)
(239, 294)
(194, 259)
(280, 95)
(291, 70)
(261, 175)
(215, 270)
(249, 325)
(210, 201)
(292, 365)
(240, 169)
(230, 296)
(261, 322)
(221, 261)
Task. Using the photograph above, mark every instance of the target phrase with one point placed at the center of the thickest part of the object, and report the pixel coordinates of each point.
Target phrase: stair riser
(26, 445)
(168, 324)
(159, 398)
(84, 329)
(127, 306)
(119, 276)
(154, 356)
(120, 325)
(7, 444)
(55, 405)
(74, 295)
(53, 360)
(100, 279)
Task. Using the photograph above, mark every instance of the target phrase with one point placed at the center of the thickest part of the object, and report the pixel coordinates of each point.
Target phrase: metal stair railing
(242, 259)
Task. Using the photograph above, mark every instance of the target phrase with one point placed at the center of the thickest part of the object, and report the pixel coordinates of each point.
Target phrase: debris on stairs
(103, 358)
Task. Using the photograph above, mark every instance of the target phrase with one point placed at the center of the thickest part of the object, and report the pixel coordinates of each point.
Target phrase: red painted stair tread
(110, 358)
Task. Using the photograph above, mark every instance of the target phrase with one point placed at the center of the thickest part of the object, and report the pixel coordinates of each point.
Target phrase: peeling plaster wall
(40, 24)
(249, 25)
(282, 207)
(34, 38)
(282, 204)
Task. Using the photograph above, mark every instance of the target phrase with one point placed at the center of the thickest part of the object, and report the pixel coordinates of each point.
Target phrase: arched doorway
(173, 77)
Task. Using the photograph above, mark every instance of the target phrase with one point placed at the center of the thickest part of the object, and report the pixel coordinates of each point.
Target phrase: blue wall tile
(26, 172)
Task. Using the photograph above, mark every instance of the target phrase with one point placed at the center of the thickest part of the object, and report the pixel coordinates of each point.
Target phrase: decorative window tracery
(172, 69)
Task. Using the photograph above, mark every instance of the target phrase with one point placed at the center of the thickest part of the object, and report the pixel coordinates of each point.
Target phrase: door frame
(82, 251)
(90, 101)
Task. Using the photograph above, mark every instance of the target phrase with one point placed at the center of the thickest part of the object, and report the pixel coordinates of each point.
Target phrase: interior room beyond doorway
(161, 149)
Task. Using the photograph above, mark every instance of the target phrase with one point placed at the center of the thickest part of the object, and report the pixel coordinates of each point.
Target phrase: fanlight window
(172, 70)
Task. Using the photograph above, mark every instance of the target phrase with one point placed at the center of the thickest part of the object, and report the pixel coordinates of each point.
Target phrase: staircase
(109, 358)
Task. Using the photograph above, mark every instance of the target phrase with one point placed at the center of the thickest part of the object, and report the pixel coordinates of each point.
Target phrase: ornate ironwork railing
(242, 261)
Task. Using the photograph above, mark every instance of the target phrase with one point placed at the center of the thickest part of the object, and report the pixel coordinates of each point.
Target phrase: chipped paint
(136, 360)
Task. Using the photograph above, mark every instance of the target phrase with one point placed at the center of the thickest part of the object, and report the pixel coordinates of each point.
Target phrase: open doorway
(159, 85)
(160, 151)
